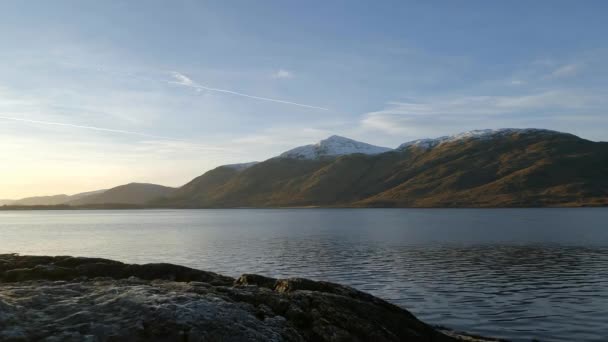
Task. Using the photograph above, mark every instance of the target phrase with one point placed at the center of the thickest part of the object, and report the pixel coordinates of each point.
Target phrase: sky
(95, 94)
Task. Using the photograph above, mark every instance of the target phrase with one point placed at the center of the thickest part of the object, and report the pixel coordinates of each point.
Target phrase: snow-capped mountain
(488, 168)
(338, 146)
(476, 134)
(333, 146)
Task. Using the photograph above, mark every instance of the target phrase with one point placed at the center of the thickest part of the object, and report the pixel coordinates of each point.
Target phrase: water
(510, 273)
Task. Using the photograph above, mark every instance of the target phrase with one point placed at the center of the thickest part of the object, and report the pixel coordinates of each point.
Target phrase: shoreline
(137, 207)
(73, 298)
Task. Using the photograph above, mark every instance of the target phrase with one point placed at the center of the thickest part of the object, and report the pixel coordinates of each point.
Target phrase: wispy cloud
(567, 70)
(442, 115)
(282, 73)
(109, 130)
(82, 127)
(183, 80)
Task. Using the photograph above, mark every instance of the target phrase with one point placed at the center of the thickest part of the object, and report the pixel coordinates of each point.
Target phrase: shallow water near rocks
(510, 273)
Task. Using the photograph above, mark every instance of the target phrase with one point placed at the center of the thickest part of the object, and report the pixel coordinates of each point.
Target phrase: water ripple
(516, 274)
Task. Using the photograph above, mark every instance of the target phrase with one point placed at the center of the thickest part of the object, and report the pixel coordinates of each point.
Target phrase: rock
(80, 299)
(257, 280)
(20, 268)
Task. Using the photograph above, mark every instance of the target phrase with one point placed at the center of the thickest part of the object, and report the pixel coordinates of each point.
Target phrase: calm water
(511, 273)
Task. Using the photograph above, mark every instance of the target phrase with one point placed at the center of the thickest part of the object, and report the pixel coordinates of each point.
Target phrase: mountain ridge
(473, 134)
(486, 168)
(480, 168)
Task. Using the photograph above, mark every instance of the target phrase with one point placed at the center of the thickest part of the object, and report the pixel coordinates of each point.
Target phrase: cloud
(79, 126)
(282, 73)
(183, 80)
(446, 115)
(176, 142)
(567, 70)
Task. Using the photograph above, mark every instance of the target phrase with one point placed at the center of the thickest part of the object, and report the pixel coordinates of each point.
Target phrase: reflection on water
(517, 274)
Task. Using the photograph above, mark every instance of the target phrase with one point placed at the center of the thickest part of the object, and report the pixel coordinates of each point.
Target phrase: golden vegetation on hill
(514, 170)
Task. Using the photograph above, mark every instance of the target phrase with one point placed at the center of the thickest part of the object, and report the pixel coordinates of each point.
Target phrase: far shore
(143, 207)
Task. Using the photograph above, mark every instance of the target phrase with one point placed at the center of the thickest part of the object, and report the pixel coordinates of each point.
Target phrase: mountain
(258, 185)
(487, 168)
(332, 147)
(6, 202)
(133, 193)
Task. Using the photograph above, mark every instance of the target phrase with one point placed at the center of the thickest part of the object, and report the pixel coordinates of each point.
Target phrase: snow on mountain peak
(335, 145)
(475, 134)
(240, 166)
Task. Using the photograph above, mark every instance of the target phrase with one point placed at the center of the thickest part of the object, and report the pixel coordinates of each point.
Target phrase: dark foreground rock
(75, 299)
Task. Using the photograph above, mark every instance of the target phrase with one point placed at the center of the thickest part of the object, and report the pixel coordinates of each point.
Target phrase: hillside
(132, 193)
(489, 168)
(530, 168)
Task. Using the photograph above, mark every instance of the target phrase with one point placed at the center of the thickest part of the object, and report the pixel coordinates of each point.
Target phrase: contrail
(102, 130)
(81, 126)
(185, 81)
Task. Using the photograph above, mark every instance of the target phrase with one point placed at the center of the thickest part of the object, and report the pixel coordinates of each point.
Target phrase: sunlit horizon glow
(95, 95)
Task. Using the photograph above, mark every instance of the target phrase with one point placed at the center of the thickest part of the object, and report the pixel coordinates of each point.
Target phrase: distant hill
(42, 200)
(486, 168)
(136, 194)
(132, 193)
(51, 200)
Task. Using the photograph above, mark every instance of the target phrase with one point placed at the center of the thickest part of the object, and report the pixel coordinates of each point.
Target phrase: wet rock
(80, 299)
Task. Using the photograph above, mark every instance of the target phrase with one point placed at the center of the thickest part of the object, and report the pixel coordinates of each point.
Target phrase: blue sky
(96, 94)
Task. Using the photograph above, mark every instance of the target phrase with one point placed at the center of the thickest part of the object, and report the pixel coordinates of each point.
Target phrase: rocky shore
(66, 298)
